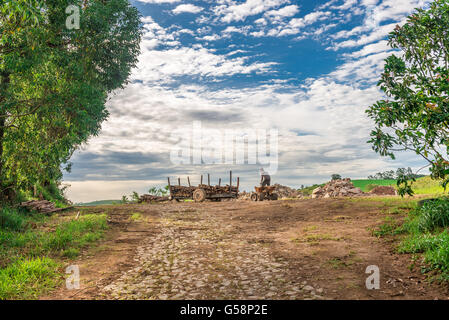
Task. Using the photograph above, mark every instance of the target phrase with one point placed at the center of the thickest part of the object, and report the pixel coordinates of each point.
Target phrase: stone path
(195, 256)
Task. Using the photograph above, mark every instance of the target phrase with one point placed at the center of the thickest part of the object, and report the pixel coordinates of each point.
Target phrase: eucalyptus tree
(55, 80)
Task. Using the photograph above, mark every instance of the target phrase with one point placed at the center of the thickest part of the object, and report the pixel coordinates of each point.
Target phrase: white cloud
(159, 1)
(239, 11)
(287, 11)
(187, 8)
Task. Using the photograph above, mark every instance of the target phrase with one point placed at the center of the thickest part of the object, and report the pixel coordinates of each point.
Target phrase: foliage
(428, 234)
(336, 177)
(54, 82)
(157, 191)
(27, 268)
(307, 191)
(416, 82)
(135, 197)
(124, 199)
(28, 278)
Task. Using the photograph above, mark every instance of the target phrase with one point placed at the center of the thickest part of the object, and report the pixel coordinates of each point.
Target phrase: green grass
(364, 184)
(28, 278)
(427, 234)
(28, 241)
(427, 185)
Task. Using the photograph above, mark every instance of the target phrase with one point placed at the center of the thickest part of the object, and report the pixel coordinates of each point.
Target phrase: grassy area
(33, 246)
(427, 185)
(427, 234)
(424, 232)
(364, 184)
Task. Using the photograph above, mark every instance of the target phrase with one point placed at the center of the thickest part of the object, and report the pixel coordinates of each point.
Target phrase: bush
(11, 219)
(433, 215)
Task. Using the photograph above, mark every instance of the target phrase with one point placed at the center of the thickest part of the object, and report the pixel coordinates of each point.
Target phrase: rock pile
(337, 188)
(384, 191)
(286, 192)
(280, 190)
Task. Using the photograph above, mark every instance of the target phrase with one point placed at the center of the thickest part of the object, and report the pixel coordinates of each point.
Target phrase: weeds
(28, 242)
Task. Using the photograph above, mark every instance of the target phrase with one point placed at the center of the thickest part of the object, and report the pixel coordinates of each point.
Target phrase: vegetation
(307, 191)
(54, 83)
(336, 177)
(427, 234)
(157, 191)
(368, 185)
(415, 116)
(32, 244)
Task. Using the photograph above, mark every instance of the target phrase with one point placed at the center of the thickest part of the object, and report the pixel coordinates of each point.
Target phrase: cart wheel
(199, 195)
(274, 196)
(254, 197)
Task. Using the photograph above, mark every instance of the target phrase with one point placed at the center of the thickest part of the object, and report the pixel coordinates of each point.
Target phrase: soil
(295, 249)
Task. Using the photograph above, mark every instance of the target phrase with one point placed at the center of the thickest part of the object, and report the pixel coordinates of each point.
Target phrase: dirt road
(302, 249)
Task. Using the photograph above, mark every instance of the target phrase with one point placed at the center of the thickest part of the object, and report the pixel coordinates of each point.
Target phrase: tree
(415, 115)
(336, 177)
(54, 82)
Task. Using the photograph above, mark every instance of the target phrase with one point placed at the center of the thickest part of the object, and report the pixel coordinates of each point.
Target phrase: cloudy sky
(307, 69)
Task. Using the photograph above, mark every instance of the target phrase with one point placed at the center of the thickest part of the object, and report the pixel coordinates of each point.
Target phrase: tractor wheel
(262, 196)
(199, 195)
(254, 197)
(274, 196)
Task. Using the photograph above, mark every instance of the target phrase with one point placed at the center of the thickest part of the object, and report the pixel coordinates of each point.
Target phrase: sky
(306, 69)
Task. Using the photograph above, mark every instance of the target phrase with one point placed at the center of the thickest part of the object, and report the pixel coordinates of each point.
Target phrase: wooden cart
(264, 193)
(204, 192)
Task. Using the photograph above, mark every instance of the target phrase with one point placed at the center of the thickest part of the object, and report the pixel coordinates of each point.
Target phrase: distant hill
(363, 183)
(97, 203)
(424, 185)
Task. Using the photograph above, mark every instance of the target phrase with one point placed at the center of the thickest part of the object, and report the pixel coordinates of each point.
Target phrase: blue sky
(305, 68)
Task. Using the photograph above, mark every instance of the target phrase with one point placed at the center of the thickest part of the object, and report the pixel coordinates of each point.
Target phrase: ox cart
(204, 192)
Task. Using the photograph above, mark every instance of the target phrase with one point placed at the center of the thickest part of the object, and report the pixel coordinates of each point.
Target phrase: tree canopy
(415, 115)
(54, 81)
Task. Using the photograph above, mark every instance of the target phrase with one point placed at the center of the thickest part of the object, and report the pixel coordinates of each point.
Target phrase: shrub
(433, 215)
(11, 219)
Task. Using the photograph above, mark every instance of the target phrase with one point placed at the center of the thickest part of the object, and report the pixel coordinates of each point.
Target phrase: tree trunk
(4, 82)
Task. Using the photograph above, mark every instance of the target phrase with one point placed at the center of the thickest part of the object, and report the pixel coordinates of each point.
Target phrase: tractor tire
(199, 195)
(254, 197)
(274, 196)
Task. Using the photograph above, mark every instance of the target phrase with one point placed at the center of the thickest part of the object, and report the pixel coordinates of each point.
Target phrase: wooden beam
(201, 179)
(179, 181)
(188, 180)
(219, 182)
(238, 183)
(230, 181)
(208, 180)
(169, 186)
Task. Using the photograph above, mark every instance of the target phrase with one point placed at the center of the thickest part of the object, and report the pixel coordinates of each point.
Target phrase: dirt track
(304, 249)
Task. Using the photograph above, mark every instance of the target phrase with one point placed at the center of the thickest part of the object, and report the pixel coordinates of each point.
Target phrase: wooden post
(179, 181)
(188, 180)
(169, 186)
(201, 180)
(238, 183)
(230, 181)
(208, 180)
(219, 182)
